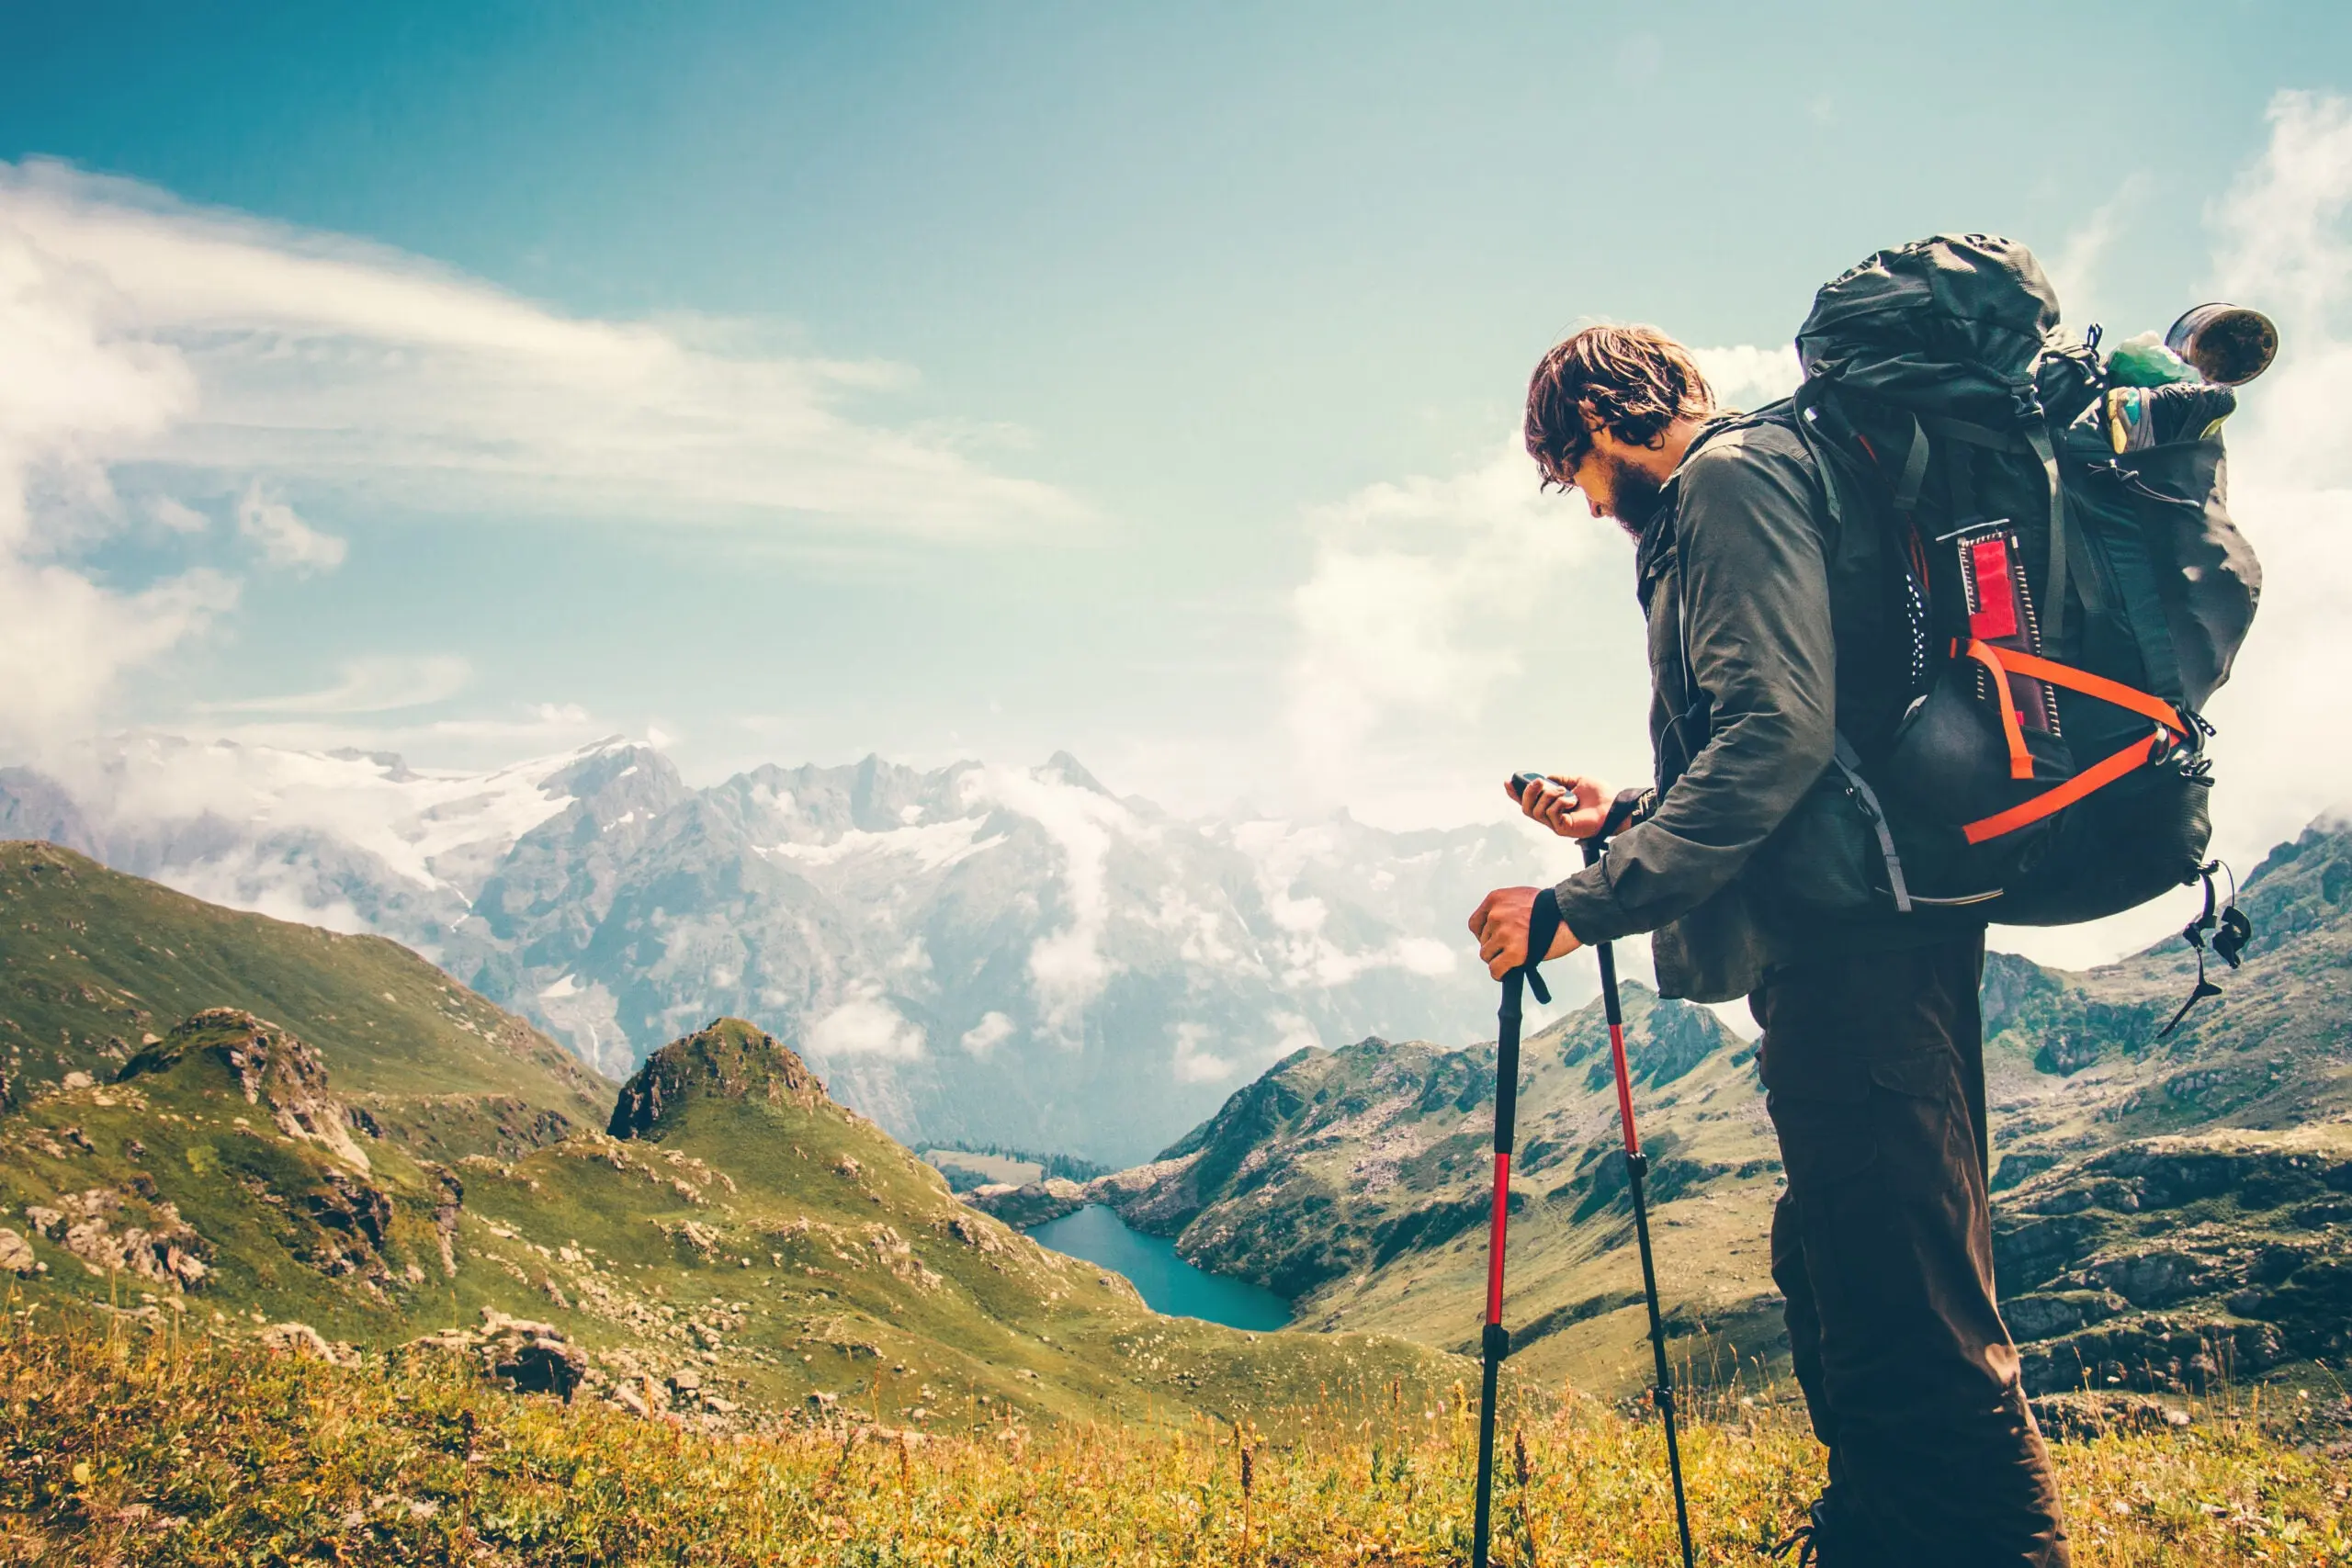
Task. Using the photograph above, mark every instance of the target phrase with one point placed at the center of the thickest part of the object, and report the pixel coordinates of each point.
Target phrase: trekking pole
(1637, 1166)
(1495, 1342)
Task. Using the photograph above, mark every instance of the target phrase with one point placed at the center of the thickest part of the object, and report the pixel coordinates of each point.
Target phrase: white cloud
(1194, 1062)
(73, 392)
(2077, 269)
(285, 539)
(1454, 630)
(993, 1030)
(367, 685)
(279, 372)
(1747, 377)
(866, 1026)
(1067, 968)
(331, 365)
(177, 515)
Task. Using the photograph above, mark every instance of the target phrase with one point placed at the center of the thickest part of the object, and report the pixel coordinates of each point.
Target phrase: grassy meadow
(129, 1444)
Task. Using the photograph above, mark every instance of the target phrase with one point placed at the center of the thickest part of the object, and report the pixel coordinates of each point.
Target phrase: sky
(790, 383)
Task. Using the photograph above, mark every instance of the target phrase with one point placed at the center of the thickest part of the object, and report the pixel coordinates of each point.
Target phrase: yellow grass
(126, 1446)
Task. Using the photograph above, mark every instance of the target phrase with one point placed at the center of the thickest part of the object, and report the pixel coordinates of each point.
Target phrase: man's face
(1615, 486)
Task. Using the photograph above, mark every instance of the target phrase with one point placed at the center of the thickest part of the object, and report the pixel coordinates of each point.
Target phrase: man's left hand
(1500, 926)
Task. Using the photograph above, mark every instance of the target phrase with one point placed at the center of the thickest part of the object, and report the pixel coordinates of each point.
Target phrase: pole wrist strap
(1542, 925)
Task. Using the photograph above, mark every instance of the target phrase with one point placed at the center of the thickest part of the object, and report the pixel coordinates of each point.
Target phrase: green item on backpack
(2144, 361)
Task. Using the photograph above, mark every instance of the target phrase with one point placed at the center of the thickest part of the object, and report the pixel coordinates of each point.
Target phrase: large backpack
(2065, 610)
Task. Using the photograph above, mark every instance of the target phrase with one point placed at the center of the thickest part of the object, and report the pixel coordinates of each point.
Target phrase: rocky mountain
(2169, 1209)
(971, 954)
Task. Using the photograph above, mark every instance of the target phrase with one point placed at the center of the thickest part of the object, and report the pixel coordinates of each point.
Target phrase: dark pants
(1874, 1068)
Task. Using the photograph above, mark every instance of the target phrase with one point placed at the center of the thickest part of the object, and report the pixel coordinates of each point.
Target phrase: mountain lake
(1168, 1284)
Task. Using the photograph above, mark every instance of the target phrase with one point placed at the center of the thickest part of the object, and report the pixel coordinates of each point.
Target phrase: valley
(720, 1241)
(2170, 1212)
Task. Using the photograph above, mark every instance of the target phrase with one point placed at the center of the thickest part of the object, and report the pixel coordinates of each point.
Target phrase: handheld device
(1521, 783)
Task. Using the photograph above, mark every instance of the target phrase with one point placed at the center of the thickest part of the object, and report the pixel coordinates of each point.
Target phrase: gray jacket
(1738, 572)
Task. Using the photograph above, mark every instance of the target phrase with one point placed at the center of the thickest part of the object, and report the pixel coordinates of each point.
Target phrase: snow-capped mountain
(1011, 955)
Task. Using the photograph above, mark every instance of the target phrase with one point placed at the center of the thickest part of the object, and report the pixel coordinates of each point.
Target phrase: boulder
(16, 1253)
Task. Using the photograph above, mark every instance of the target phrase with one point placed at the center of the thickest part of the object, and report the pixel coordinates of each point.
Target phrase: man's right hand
(1571, 807)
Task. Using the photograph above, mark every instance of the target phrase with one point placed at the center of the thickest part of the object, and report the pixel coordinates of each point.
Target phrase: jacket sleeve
(1754, 600)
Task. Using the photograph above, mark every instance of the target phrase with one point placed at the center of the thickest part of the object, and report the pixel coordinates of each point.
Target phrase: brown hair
(1637, 380)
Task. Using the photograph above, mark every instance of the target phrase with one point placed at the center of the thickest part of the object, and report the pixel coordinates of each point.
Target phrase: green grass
(773, 1242)
(126, 1445)
(93, 961)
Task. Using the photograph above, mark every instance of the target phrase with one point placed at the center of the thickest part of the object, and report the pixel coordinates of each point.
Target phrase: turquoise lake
(1168, 1284)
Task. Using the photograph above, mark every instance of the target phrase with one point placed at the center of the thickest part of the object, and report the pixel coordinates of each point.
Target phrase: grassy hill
(737, 1245)
(93, 965)
(2168, 1210)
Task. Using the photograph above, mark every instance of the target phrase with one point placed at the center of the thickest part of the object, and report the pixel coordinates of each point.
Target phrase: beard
(1632, 497)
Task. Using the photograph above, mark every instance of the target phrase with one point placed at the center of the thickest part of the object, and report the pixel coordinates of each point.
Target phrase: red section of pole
(1624, 1085)
(1495, 1245)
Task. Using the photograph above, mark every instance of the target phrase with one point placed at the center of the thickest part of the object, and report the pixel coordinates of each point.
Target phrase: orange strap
(2004, 662)
(2081, 681)
(2060, 797)
(2020, 760)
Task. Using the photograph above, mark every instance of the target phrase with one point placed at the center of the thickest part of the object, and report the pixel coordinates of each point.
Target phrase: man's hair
(1637, 380)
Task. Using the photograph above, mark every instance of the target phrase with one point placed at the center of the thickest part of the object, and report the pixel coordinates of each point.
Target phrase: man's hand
(1500, 926)
(1571, 807)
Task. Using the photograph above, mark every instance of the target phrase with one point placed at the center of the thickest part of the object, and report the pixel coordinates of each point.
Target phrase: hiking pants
(1873, 1066)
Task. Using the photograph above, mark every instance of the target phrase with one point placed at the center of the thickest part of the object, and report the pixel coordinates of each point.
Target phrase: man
(1764, 644)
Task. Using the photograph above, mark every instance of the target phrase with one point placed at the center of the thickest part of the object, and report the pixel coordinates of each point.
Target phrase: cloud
(866, 1026)
(332, 366)
(369, 685)
(1452, 630)
(1747, 377)
(206, 359)
(993, 1030)
(74, 391)
(178, 516)
(285, 539)
(1436, 607)
(1067, 968)
(2283, 243)
(2077, 269)
(1194, 1062)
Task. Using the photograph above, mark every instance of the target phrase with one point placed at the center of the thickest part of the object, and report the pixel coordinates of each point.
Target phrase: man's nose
(1593, 501)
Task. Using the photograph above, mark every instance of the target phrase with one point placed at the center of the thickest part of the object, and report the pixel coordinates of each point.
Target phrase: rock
(686, 1380)
(302, 1339)
(531, 1358)
(77, 1080)
(16, 1253)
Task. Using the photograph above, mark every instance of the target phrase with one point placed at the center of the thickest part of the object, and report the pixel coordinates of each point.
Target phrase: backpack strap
(2036, 435)
(2143, 609)
(2171, 728)
(1847, 762)
(2035, 438)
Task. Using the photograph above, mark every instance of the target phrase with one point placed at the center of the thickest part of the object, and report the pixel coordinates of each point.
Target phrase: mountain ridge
(968, 954)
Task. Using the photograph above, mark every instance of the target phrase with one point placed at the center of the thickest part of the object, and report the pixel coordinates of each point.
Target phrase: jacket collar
(1654, 557)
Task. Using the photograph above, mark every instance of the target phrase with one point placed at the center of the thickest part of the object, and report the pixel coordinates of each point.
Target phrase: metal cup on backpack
(2179, 388)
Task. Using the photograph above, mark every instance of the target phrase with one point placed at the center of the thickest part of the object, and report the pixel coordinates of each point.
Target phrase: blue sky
(980, 379)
